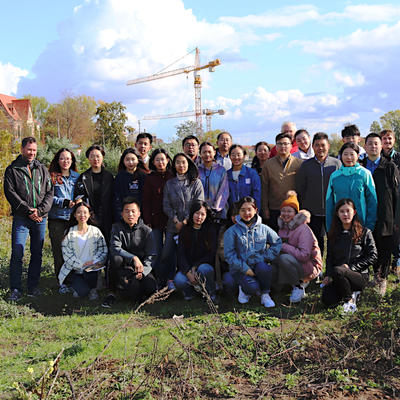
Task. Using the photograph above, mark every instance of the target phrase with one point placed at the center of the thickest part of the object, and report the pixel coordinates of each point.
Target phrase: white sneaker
(349, 307)
(297, 294)
(266, 300)
(93, 294)
(243, 298)
(354, 296)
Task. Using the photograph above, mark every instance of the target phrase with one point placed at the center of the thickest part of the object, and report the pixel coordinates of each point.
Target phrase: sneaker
(266, 300)
(108, 301)
(354, 296)
(74, 293)
(171, 285)
(93, 294)
(297, 294)
(34, 292)
(243, 298)
(349, 307)
(63, 289)
(15, 295)
(381, 287)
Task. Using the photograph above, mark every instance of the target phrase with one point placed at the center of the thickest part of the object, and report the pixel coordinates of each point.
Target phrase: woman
(354, 182)
(153, 189)
(351, 251)
(300, 260)
(179, 194)
(215, 182)
(63, 176)
(85, 252)
(197, 246)
(249, 246)
(243, 181)
(96, 187)
(129, 180)
(262, 151)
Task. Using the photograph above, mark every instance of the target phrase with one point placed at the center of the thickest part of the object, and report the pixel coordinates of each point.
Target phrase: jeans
(158, 240)
(82, 283)
(166, 268)
(21, 228)
(255, 285)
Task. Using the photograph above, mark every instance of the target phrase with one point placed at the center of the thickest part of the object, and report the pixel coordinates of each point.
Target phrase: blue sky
(320, 64)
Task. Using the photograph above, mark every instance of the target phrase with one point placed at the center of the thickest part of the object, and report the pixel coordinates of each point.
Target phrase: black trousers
(384, 245)
(273, 219)
(57, 228)
(318, 226)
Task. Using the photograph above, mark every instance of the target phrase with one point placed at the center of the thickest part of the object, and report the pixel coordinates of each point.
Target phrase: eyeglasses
(283, 144)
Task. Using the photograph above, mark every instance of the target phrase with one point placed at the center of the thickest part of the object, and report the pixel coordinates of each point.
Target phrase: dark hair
(129, 200)
(73, 221)
(387, 132)
(246, 199)
(232, 211)
(356, 229)
(283, 135)
(144, 135)
(349, 145)
(95, 147)
(320, 136)
(256, 162)
(153, 156)
(28, 139)
(223, 133)
(373, 135)
(237, 146)
(206, 144)
(129, 150)
(55, 166)
(350, 130)
(192, 173)
(189, 137)
(300, 131)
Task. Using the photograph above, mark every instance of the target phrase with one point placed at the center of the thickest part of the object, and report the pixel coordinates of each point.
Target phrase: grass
(58, 347)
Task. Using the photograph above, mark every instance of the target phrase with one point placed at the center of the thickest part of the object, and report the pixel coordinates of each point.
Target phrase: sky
(319, 64)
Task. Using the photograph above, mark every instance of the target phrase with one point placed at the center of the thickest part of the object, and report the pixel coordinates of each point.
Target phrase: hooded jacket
(245, 247)
(26, 189)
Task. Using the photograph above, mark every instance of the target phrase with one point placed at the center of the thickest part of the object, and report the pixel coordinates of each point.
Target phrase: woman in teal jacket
(354, 182)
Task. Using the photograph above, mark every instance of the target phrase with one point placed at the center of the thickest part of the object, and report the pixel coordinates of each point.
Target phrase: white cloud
(351, 81)
(368, 13)
(10, 76)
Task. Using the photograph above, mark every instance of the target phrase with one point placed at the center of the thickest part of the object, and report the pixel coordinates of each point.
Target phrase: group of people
(206, 221)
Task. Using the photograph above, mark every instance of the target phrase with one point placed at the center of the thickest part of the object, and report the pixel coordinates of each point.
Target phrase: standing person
(249, 247)
(143, 147)
(352, 181)
(190, 146)
(386, 178)
(351, 134)
(303, 140)
(63, 176)
(312, 181)
(278, 177)
(129, 180)
(262, 151)
(197, 246)
(96, 185)
(351, 251)
(28, 189)
(84, 251)
(243, 181)
(224, 143)
(215, 182)
(179, 194)
(289, 128)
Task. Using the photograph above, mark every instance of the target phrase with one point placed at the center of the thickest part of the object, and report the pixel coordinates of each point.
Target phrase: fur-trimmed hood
(302, 217)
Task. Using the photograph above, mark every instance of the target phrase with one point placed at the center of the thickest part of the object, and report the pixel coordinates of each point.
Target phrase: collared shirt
(225, 161)
(372, 165)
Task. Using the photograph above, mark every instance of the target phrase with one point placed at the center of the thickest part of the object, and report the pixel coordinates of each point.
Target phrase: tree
(110, 125)
(375, 127)
(185, 129)
(391, 120)
(336, 143)
(39, 107)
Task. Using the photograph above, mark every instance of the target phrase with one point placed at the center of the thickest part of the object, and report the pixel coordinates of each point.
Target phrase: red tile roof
(17, 109)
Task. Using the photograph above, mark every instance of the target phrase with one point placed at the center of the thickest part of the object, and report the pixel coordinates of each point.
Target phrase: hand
(139, 276)
(178, 226)
(87, 263)
(345, 265)
(191, 276)
(138, 265)
(78, 201)
(327, 281)
(72, 203)
(250, 272)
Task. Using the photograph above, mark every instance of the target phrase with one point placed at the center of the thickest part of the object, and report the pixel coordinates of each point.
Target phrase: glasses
(191, 144)
(283, 144)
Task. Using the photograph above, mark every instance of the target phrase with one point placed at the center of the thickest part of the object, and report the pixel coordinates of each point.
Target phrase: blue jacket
(244, 246)
(248, 184)
(63, 190)
(355, 183)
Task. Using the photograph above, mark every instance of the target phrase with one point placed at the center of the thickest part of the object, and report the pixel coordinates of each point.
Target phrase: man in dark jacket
(28, 189)
(386, 178)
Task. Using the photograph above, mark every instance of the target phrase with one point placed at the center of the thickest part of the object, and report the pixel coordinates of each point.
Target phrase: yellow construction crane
(196, 68)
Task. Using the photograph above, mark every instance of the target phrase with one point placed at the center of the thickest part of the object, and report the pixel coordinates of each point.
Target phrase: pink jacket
(300, 242)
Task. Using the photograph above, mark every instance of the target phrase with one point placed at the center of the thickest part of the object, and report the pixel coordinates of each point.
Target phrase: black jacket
(25, 190)
(358, 256)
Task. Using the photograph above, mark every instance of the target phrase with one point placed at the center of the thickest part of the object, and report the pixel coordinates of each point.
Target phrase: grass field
(58, 347)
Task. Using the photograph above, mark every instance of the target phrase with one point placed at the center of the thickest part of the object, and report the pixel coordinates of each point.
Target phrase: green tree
(336, 143)
(375, 127)
(185, 129)
(391, 120)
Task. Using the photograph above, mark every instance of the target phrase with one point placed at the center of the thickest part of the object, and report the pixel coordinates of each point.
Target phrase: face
(181, 165)
(130, 214)
(207, 153)
(143, 146)
(346, 213)
(303, 141)
(191, 148)
(289, 128)
(321, 149)
(65, 160)
(29, 151)
(262, 152)
(237, 156)
(199, 217)
(287, 213)
(388, 142)
(224, 143)
(131, 161)
(82, 214)
(373, 147)
(247, 212)
(95, 159)
(352, 139)
(349, 157)
(160, 162)
(283, 147)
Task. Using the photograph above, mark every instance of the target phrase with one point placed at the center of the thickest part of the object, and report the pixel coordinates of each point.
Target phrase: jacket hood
(302, 217)
(243, 225)
(350, 170)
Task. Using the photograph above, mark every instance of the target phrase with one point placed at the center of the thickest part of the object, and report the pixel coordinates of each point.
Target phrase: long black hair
(192, 173)
(129, 150)
(155, 153)
(55, 165)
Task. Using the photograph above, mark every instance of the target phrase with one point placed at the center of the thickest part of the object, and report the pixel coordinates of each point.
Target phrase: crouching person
(132, 252)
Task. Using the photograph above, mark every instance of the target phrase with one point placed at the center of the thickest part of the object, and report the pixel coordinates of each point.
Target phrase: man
(28, 189)
(386, 177)
(143, 147)
(277, 178)
(224, 142)
(312, 180)
(303, 140)
(351, 134)
(190, 146)
(132, 253)
(289, 128)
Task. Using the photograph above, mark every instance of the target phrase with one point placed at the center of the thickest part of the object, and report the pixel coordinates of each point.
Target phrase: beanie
(291, 201)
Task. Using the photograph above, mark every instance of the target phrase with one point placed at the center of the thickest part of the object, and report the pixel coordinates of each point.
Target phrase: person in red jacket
(290, 128)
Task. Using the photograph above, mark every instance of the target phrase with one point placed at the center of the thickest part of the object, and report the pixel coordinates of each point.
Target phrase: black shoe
(34, 292)
(15, 295)
(108, 301)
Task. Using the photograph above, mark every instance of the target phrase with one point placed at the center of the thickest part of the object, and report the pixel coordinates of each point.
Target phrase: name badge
(248, 181)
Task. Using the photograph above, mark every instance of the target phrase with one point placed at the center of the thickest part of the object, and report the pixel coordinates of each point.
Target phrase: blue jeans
(206, 271)
(158, 240)
(166, 268)
(229, 284)
(256, 285)
(21, 228)
(82, 283)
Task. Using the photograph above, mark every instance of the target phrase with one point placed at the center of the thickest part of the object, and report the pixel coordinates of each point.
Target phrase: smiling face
(160, 162)
(388, 141)
(29, 151)
(131, 161)
(303, 141)
(247, 211)
(65, 160)
(207, 154)
(130, 214)
(346, 214)
(262, 152)
(287, 213)
(237, 157)
(82, 214)
(181, 165)
(95, 159)
(349, 157)
(199, 217)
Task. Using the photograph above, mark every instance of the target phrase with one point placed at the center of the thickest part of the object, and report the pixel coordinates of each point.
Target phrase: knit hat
(291, 200)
